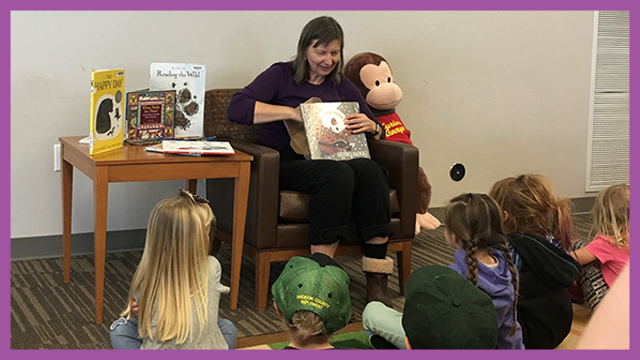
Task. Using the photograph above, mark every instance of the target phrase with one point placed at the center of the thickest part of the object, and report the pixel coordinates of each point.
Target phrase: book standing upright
(327, 134)
(107, 106)
(150, 114)
(188, 80)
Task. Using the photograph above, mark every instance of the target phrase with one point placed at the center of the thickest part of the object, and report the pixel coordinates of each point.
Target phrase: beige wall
(502, 92)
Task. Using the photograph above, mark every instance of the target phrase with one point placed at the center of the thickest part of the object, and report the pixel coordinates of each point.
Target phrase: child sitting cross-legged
(442, 310)
(312, 297)
(445, 311)
(473, 224)
(606, 255)
(539, 228)
(176, 288)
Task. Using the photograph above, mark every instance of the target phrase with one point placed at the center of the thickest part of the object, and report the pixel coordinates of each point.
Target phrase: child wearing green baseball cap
(442, 310)
(312, 297)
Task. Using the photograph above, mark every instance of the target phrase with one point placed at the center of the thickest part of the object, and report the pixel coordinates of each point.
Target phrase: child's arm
(583, 256)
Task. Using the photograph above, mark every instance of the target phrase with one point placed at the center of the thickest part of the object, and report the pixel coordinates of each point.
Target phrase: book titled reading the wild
(150, 114)
(327, 133)
(107, 105)
(188, 81)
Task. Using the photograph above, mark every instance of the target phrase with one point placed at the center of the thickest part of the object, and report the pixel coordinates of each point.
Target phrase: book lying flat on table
(327, 133)
(198, 147)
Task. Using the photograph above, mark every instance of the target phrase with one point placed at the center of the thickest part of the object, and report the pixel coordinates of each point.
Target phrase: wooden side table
(133, 163)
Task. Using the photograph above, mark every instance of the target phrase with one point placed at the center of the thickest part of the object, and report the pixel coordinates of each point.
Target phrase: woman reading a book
(336, 188)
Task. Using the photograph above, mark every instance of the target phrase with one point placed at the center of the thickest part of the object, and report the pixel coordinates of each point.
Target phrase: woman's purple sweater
(275, 86)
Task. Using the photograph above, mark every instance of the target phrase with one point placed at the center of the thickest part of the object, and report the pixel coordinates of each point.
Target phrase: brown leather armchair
(277, 221)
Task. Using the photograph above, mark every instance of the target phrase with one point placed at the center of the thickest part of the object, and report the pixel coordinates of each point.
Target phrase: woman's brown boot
(377, 271)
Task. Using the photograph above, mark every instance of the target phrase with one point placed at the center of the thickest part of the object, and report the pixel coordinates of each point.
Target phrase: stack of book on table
(193, 147)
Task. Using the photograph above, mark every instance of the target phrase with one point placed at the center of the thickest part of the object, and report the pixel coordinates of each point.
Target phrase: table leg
(67, 202)
(241, 190)
(192, 185)
(100, 202)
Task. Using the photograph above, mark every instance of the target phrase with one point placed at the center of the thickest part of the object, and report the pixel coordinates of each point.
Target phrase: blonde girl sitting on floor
(176, 288)
(608, 252)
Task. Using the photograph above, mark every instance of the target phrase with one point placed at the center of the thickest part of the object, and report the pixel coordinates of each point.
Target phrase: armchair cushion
(294, 206)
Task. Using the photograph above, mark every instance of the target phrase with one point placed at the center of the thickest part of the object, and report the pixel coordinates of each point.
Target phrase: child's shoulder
(214, 263)
(603, 240)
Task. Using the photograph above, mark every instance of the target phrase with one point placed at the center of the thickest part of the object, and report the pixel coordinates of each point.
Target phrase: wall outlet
(56, 157)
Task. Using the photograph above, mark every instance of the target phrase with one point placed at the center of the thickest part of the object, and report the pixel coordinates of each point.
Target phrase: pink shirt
(612, 259)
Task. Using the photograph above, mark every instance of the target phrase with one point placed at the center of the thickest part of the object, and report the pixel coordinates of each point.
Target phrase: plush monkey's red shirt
(395, 129)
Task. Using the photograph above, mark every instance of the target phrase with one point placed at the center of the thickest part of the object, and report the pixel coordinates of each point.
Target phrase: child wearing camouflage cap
(442, 310)
(312, 297)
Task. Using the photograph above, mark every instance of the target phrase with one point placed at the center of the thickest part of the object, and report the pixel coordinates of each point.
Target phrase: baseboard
(580, 206)
(43, 247)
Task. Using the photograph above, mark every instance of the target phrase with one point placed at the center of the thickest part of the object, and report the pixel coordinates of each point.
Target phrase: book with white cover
(188, 81)
(200, 147)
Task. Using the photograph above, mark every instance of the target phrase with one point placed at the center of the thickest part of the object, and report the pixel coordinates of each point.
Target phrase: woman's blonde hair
(533, 208)
(306, 327)
(477, 223)
(611, 214)
(174, 269)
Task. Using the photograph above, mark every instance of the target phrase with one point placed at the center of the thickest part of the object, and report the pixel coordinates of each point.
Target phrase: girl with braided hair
(539, 228)
(473, 224)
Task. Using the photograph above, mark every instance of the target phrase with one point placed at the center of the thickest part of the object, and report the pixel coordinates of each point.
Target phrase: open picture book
(327, 133)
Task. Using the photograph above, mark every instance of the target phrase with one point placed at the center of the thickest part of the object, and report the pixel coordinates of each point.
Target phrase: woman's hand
(360, 123)
(296, 114)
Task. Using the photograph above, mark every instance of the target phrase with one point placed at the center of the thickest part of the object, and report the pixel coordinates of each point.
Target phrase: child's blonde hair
(477, 223)
(611, 214)
(174, 269)
(306, 327)
(533, 208)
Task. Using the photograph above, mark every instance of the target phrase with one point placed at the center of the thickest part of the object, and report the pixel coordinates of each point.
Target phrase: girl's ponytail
(564, 230)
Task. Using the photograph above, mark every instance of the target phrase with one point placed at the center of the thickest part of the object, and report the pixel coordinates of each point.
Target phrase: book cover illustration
(107, 106)
(327, 134)
(201, 147)
(150, 114)
(188, 81)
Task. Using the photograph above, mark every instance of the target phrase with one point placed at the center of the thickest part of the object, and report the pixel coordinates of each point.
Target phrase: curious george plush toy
(371, 74)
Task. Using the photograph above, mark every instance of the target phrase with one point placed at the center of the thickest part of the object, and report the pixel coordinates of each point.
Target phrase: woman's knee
(368, 171)
(339, 176)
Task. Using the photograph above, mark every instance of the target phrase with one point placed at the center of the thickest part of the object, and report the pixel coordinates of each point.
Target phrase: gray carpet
(46, 313)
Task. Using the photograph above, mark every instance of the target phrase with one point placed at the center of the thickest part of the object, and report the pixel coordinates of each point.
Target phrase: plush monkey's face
(383, 94)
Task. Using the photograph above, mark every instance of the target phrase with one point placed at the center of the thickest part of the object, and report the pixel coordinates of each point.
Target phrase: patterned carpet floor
(46, 313)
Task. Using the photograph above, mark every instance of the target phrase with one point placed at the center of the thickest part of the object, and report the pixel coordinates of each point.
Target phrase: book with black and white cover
(327, 133)
(188, 81)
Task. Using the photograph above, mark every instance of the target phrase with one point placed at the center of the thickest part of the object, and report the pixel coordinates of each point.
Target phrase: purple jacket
(276, 86)
(496, 283)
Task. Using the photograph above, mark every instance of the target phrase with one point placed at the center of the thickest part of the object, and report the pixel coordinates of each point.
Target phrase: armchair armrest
(401, 160)
(262, 208)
